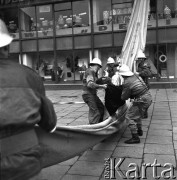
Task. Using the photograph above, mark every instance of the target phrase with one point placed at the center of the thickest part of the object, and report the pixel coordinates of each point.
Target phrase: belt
(17, 143)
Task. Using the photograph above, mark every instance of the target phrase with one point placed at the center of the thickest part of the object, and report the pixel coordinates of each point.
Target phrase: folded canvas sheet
(69, 141)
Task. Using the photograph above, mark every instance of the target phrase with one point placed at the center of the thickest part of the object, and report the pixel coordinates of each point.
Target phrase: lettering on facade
(5, 2)
(84, 31)
(45, 32)
(102, 28)
(29, 34)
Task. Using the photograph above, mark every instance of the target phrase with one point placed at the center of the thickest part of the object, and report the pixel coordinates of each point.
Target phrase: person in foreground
(23, 105)
(89, 94)
(135, 89)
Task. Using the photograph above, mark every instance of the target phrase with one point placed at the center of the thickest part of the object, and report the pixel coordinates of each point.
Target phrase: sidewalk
(159, 140)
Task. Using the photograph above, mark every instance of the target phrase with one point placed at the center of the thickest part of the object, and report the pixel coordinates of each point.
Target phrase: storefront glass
(121, 14)
(63, 19)
(102, 16)
(28, 22)
(72, 64)
(44, 21)
(81, 17)
(10, 16)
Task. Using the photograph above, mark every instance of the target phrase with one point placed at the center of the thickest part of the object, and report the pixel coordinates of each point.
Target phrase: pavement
(112, 159)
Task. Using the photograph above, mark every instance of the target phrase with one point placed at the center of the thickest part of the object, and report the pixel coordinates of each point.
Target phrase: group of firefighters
(134, 87)
(24, 104)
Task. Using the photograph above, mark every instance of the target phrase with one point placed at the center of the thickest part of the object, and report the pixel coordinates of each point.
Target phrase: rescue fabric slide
(69, 141)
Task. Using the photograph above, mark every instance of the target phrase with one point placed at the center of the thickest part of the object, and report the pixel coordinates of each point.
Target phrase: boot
(140, 132)
(134, 140)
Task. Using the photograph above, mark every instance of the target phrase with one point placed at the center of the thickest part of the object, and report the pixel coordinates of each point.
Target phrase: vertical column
(175, 61)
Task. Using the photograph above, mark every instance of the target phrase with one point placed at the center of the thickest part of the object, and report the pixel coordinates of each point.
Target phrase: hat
(124, 70)
(110, 60)
(141, 55)
(5, 37)
(96, 61)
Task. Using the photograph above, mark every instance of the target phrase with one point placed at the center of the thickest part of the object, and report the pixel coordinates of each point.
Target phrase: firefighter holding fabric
(23, 105)
(144, 71)
(89, 95)
(135, 89)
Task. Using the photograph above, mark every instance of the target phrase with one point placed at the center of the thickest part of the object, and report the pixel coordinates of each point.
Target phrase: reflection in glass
(28, 22)
(10, 17)
(102, 17)
(44, 20)
(121, 15)
(81, 17)
(63, 18)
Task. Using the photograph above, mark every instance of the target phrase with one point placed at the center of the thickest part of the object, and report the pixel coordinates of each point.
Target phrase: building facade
(58, 38)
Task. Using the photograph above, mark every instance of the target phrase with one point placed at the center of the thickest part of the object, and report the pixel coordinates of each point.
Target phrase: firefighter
(135, 89)
(23, 105)
(110, 69)
(144, 71)
(89, 95)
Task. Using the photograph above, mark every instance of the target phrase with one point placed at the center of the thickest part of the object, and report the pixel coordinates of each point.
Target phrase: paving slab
(78, 177)
(160, 126)
(87, 168)
(98, 156)
(160, 132)
(159, 139)
(158, 149)
(131, 151)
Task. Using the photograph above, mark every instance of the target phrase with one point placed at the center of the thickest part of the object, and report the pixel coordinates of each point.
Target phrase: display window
(72, 64)
(166, 13)
(28, 22)
(81, 17)
(10, 17)
(102, 16)
(45, 65)
(63, 18)
(121, 14)
(44, 21)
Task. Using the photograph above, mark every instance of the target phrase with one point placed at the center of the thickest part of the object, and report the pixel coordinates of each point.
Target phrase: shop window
(63, 18)
(10, 17)
(81, 17)
(72, 64)
(28, 22)
(44, 21)
(45, 65)
(121, 13)
(166, 13)
(102, 17)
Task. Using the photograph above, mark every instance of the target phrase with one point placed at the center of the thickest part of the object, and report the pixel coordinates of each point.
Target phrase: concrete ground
(158, 145)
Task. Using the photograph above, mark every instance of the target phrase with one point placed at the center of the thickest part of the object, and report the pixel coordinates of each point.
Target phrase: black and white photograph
(88, 89)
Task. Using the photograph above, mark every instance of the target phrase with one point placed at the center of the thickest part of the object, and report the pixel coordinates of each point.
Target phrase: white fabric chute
(135, 38)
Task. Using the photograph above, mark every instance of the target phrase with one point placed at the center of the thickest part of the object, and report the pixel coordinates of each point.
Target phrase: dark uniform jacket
(89, 82)
(133, 87)
(23, 104)
(112, 95)
(145, 72)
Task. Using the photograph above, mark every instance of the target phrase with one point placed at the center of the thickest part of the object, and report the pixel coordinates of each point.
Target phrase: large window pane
(121, 14)
(102, 15)
(28, 22)
(63, 19)
(10, 17)
(44, 20)
(81, 17)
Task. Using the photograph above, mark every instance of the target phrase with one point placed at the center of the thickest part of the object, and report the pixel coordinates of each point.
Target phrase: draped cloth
(135, 38)
(69, 141)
